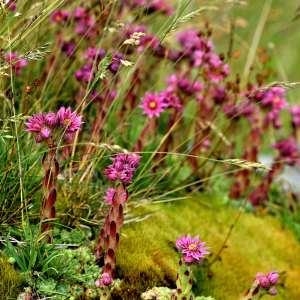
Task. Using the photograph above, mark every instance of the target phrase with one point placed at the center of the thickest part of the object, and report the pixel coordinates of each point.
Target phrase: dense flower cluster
(85, 73)
(44, 125)
(84, 21)
(68, 47)
(273, 101)
(192, 249)
(123, 167)
(288, 151)
(199, 50)
(105, 280)
(60, 16)
(268, 281)
(179, 83)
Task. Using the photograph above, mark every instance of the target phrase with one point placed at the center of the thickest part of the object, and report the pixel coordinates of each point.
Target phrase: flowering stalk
(288, 154)
(110, 234)
(184, 281)
(193, 251)
(260, 194)
(242, 179)
(47, 128)
(121, 170)
(152, 104)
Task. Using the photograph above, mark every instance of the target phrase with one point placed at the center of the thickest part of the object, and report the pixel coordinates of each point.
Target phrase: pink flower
(85, 24)
(195, 46)
(109, 196)
(105, 280)
(219, 94)
(17, 62)
(60, 16)
(192, 249)
(69, 120)
(85, 74)
(273, 277)
(288, 150)
(263, 280)
(44, 124)
(39, 125)
(161, 6)
(79, 13)
(273, 118)
(151, 5)
(268, 282)
(153, 105)
(94, 54)
(123, 167)
(68, 48)
(274, 98)
(115, 64)
(183, 84)
(50, 119)
(216, 70)
(171, 100)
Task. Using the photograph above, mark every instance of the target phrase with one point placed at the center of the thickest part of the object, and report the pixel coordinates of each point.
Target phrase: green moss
(258, 243)
(9, 280)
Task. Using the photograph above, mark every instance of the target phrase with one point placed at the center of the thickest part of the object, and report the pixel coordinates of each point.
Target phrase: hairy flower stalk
(288, 154)
(121, 171)
(193, 251)
(242, 177)
(51, 170)
(49, 128)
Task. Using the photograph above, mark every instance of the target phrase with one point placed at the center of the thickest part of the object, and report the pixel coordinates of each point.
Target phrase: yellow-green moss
(147, 256)
(9, 280)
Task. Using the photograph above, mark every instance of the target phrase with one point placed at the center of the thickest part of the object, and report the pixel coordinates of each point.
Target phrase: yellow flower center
(152, 104)
(193, 247)
(67, 122)
(58, 18)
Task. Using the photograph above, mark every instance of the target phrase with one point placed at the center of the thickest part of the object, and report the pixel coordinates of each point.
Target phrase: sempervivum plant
(50, 128)
(193, 251)
(120, 171)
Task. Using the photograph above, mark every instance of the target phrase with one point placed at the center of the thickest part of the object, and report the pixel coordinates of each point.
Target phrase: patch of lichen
(258, 243)
(9, 280)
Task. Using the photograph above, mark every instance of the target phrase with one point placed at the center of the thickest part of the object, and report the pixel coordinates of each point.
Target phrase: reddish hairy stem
(51, 170)
(260, 194)
(147, 130)
(109, 235)
(242, 179)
